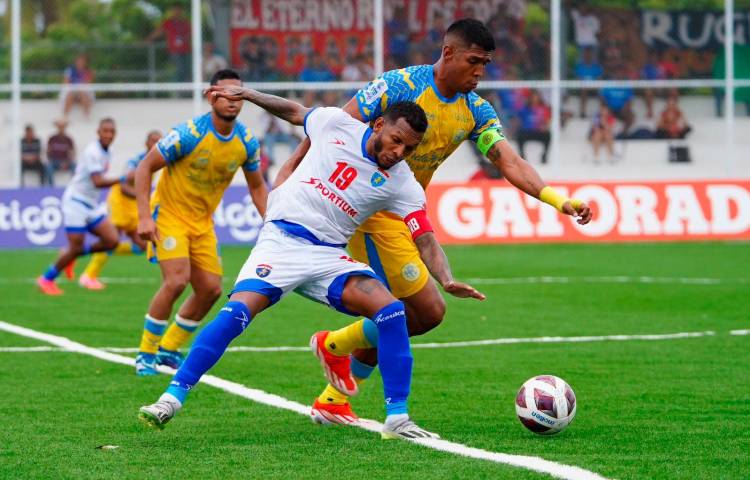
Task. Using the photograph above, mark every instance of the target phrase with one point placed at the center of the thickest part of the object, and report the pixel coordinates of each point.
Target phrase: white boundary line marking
(617, 279)
(739, 332)
(470, 343)
(536, 464)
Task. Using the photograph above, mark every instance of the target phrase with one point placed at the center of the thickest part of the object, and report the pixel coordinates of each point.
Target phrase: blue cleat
(145, 364)
(169, 358)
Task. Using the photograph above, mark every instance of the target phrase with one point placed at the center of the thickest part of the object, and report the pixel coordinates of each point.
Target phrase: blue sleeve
(485, 117)
(252, 147)
(393, 86)
(179, 142)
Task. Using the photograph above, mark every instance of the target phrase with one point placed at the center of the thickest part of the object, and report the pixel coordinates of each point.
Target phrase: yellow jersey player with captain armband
(201, 157)
(455, 113)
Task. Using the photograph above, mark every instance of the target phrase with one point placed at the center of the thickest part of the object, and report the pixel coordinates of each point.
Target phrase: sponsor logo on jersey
(377, 180)
(333, 197)
(374, 90)
(263, 270)
(410, 272)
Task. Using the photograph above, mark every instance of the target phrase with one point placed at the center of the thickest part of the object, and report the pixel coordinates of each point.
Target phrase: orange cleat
(337, 369)
(328, 413)
(90, 283)
(48, 287)
(69, 270)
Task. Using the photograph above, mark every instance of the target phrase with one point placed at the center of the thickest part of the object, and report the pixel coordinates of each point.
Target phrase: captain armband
(488, 138)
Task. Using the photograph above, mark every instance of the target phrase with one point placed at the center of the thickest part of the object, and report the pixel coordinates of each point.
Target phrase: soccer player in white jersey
(82, 211)
(350, 172)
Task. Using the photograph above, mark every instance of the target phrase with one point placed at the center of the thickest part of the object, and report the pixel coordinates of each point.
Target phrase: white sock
(169, 398)
(396, 419)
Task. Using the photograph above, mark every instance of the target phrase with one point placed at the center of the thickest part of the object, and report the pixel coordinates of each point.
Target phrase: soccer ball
(546, 404)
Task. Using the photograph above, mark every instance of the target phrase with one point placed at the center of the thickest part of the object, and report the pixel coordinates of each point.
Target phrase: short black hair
(224, 74)
(472, 31)
(107, 120)
(409, 111)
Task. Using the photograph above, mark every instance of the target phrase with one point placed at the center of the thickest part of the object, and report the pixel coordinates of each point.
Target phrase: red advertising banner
(496, 212)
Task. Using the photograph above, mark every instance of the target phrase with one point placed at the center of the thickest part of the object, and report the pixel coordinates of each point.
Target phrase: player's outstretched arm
(524, 177)
(434, 258)
(100, 181)
(143, 177)
(288, 110)
(258, 190)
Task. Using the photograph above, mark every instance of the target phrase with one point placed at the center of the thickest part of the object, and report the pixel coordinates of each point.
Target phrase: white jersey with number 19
(337, 186)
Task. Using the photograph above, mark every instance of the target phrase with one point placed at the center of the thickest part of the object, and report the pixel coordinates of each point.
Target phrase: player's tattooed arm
(434, 258)
(288, 110)
(524, 177)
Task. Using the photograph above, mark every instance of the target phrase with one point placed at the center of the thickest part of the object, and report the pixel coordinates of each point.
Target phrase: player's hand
(463, 290)
(578, 209)
(230, 92)
(147, 230)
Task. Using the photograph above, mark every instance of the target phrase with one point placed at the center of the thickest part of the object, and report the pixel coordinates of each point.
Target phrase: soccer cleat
(69, 270)
(328, 413)
(145, 364)
(90, 283)
(157, 414)
(405, 429)
(169, 358)
(48, 287)
(337, 369)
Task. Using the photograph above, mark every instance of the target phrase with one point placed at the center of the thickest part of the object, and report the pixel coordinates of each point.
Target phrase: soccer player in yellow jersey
(455, 113)
(201, 157)
(124, 215)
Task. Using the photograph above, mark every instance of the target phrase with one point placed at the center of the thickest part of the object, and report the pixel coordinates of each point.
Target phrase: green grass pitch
(646, 409)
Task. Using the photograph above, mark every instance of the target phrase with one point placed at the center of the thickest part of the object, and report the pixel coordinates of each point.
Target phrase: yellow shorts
(178, 240)
(393, 256)
(123, 212)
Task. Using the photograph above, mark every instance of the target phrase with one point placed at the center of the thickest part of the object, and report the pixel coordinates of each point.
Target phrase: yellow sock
(96, 264)
(153, 329)
(345, 340)
(178, 333)
(124, 248)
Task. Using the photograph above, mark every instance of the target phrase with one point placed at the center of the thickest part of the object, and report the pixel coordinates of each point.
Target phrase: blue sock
(394, 356)
(361, 370)
(371, 332)
(209, 346)
(51, 273)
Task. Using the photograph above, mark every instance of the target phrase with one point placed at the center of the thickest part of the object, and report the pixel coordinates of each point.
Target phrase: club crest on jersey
(263, 270)
(377, 179)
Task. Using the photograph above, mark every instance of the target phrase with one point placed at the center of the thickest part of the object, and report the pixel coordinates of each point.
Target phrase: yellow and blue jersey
(200, 166)
(451, 120)
(122, 208)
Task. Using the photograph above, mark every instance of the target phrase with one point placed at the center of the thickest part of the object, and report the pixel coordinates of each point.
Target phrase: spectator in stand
(602, 132)
(672, 122)
(397, 33)
(31, 156)
(75, 76)
(652, 70)
(278, 133)
(668, 66)
(60, 151)
(537, 52)
(357, 70)
(176, 28)
(316, 70)
(432, 43)
(254, 58)
(619, 101)
(587, 69)
(534, 120)
(516, 10)
(212, 61)
(586, 27)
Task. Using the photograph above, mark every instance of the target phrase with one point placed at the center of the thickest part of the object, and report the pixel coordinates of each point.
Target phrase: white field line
(470, 343)
(618, 279)
(536, 464)
(739, 332)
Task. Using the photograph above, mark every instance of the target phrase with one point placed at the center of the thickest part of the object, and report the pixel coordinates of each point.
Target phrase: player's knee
(175, 285)
(111, 243)
(212, 293)
(427, 317)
